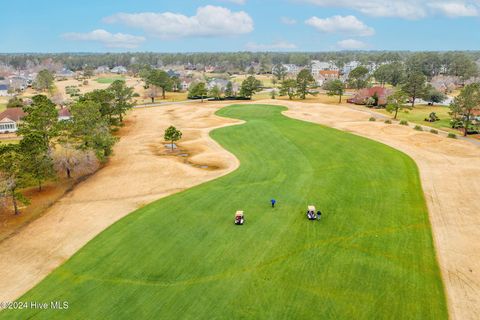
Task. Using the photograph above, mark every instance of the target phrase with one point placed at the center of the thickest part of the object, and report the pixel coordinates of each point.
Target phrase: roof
(64, 112)
(311, 208)
(369, 92)
(14, 114)
(3, 87)
(329, 72)
(239, 214)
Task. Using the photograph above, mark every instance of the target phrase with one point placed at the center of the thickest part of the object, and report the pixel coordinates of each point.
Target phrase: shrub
(418, 128)
(452, 135)
(404, 122)
(434, 131)
(372, 119)
(388, 121)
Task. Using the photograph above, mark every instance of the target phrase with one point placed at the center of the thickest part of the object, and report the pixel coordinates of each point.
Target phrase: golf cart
(311, 215)
(239, 218)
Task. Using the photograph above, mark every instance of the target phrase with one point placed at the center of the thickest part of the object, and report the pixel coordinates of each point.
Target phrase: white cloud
(351, 44)
(239, 2)
(275, 46)
(455, 9)
(110, 40)
(209, 21)
(341, 24)
(407, 9)
(288, 21)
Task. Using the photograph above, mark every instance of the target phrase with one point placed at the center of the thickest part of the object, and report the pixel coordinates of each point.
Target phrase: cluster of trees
(464, 108)
(49, 147)
(249, 87)
(304, 84)
(431, 63)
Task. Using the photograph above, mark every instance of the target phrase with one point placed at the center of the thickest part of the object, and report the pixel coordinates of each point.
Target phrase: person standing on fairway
(273, 201)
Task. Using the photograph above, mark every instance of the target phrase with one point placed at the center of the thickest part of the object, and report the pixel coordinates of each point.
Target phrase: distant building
(363, 95)
(12, 117)
(4, 90)
(350, 66)
(64, 114)
(65, 73)
(102, 69)
(119, 70)
(290, 69)
(326, 75)
(171, 73)
(185, 85)
(317, 66)
(220, 83)
(210, 69)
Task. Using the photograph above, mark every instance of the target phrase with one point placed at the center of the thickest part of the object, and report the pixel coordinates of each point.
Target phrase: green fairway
(370, 257)
(109, 80)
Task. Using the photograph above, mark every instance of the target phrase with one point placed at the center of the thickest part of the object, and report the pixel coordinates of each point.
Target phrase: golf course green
(371, 256)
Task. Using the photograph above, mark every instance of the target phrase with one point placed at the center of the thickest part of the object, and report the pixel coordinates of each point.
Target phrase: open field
(109, 79)
(420, 112)
(3, 106)
(370, 257)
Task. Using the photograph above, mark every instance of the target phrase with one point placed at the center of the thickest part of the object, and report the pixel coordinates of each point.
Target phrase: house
(363, 95)
(119, 70)
(317, 66)
(18, 83)
(350, 66)
(210, 69)
(4, 90)
(220, 83)
(64, 114)
(102, 70)
(12, 117)
(326, 75)
(171, 73)
(185, 85)
(65, 73)
(290, 69)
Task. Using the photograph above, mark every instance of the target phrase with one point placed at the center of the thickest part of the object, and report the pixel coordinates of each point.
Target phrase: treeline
(51, 148)
(230, 61)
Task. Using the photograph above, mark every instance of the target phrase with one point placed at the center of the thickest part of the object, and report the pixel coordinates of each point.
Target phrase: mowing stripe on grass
(370, 257)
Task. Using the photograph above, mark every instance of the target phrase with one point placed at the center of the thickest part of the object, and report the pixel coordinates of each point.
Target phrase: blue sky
(238, 25)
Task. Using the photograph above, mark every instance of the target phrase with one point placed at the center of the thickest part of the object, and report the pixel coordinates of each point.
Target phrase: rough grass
(371, 256)
(421, 112)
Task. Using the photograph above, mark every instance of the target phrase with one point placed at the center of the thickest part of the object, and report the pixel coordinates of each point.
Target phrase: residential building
(220, 83)
(65, 73)
(350, 66)
(4, 90)
(102, 70)
(12, 117)
(363, 95)
(119, 70)
(317, 66)
(326, 75)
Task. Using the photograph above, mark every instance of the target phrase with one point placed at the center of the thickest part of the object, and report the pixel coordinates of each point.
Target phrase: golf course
(370, 256)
